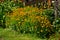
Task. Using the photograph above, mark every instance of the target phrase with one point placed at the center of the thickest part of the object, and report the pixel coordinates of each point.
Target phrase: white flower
(53, 1)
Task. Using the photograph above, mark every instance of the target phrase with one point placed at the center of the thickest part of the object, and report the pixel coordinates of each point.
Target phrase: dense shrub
(50, 14)
(29, 20)
(56, 25)
(5, 7)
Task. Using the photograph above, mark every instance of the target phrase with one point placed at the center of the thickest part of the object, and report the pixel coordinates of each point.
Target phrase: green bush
(29, 20)
(50, 14)
(56, 25)
(5, 7)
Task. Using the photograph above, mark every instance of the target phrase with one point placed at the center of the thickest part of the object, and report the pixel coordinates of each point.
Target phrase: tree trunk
(56, 9)
(49, 3)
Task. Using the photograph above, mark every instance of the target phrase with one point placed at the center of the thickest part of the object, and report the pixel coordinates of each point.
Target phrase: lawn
(8, 34)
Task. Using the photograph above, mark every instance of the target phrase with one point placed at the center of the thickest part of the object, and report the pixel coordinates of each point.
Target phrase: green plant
(50, 14)
(29, 20)
(56, 25)
(7, 7)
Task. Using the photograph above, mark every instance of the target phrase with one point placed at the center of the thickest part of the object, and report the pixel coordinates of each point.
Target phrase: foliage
(5, 7)
(29, 20)
(56, 25)
(50, 14)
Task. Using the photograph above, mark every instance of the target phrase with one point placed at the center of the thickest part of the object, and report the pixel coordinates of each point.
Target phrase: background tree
(56, 7)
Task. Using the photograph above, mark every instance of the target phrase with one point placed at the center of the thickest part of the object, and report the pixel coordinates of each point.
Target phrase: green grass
(7, 34)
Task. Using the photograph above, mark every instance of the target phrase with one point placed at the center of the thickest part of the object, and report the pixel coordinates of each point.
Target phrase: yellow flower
(25, 19)
(35, 27)
(22, 13)
(38, 17)
(42, 21)
(17, 19)
(42, 26)
(41, 30)
(19, 22)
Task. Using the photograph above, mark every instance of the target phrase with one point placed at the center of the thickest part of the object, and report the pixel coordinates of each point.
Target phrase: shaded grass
(55, 36)
(8, 34)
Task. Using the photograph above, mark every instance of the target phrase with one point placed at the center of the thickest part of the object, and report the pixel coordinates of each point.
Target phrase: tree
(56, 8)
(49, 3)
